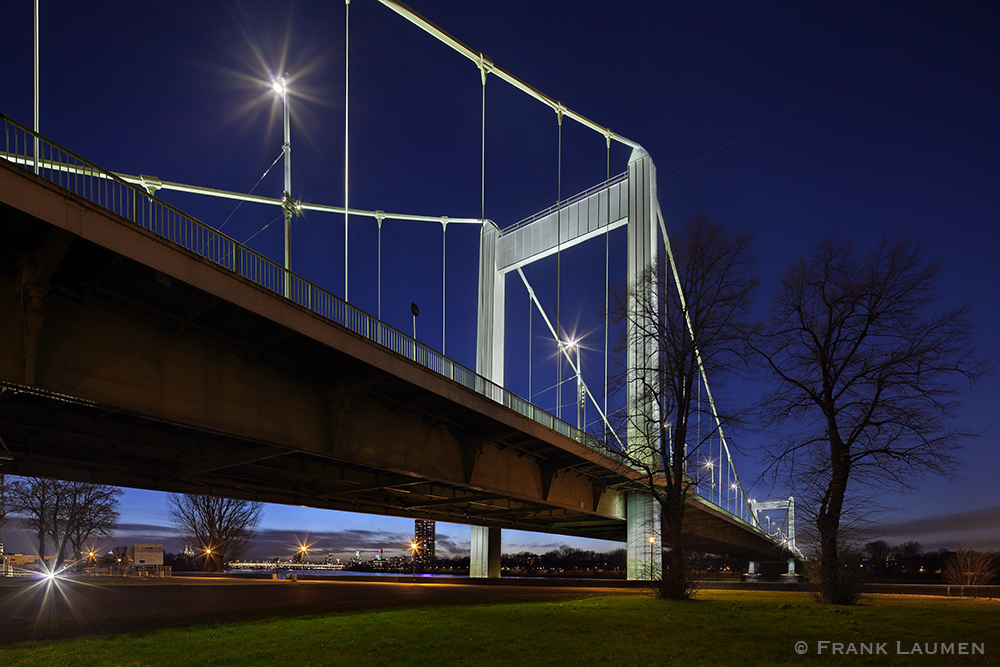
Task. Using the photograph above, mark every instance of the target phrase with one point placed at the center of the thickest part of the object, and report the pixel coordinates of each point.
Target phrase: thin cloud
(947, 531)
(984, 518)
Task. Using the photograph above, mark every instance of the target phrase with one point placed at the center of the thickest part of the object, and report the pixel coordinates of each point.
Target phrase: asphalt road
(72, 607)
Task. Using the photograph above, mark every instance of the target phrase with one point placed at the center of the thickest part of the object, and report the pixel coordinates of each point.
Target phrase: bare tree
(65, 512)
(868, 373)
(119, 556)
(223, 528)
(969, 567)
(4, 502)
(33, 499)
(683, 322)
(92, 512)
(877, 553)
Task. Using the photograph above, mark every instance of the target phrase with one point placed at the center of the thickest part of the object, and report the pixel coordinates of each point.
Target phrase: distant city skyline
(342, 534)
(283, 529)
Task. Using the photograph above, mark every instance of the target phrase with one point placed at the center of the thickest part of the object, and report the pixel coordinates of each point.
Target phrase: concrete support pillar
(791, 565)
(752, 569)
(644, 547)
(484, 559)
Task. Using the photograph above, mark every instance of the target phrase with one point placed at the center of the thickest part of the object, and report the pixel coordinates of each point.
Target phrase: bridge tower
(758, 506)
(630, 202)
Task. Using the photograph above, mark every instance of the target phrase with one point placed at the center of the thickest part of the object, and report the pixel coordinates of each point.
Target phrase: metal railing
(101, 187)
(614, 180)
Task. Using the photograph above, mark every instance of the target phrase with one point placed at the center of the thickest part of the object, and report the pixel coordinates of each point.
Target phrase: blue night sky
(789, 119)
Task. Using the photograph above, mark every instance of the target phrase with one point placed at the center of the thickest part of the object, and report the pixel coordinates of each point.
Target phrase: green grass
(720, 628)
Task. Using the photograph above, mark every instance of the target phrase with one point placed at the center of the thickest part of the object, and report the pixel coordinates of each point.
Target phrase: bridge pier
(644, 551)
(484, 557)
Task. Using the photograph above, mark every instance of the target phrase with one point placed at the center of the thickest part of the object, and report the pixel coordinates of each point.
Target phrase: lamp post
(580, 404)
(711, 477)
(34, 155)
(414, 548)
(281, 86)
(652, 541)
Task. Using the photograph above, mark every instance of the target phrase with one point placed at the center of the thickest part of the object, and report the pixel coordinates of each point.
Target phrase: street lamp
(414, 548)
(652, 541)
(580, 404)
(711, 475)
(281, 87)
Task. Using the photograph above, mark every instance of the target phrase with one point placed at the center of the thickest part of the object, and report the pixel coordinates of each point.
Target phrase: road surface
(103, 605)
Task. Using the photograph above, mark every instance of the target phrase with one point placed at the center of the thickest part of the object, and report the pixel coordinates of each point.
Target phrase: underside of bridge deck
(132, 361)
(127, 359)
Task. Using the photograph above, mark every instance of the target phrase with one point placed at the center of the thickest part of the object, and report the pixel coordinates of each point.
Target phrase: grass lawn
(719, 628)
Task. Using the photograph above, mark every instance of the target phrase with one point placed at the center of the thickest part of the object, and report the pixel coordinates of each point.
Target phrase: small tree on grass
(969, 567)
(65, 513)
(223, 528)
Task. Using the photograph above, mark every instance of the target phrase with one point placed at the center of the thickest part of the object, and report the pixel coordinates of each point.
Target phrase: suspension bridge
(147, 349)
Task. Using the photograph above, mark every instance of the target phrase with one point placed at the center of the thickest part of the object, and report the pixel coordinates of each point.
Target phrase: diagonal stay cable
(569, 359)
(280, 217)
(263, 176)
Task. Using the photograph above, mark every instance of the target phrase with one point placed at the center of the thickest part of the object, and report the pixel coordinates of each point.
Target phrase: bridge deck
(153, 367)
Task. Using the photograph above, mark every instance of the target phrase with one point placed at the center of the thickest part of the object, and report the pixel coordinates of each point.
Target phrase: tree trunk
(828, 525)
(41, 545)
(673, 578)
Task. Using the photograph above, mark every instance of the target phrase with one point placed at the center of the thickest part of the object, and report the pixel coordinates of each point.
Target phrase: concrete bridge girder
(157, 368)
(146, 331)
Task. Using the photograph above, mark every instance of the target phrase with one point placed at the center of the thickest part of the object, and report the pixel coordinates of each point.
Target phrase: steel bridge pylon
(628, 201)
(788, 505)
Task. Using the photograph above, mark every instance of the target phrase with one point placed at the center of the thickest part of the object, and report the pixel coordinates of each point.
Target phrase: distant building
(147, 561)
(146, 554)
(19, 561)
(423, 533)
